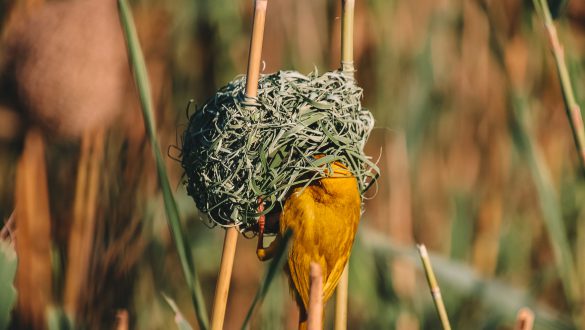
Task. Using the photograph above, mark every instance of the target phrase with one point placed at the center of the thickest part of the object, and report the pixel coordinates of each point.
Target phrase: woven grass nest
(237, 151)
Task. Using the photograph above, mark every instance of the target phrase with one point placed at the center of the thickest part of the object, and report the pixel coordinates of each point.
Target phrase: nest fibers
(237, 151)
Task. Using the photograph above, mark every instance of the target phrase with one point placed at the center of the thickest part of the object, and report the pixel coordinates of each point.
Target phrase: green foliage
(8, 262)
(141, 77)
(459, 282)
(548, 201)
(440, 72)
(275, 265)
(57, 319)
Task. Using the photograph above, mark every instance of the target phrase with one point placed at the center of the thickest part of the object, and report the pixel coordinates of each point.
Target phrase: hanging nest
(237, 151)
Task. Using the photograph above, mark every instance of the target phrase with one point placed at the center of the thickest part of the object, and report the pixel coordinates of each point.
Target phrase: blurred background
(472, 140)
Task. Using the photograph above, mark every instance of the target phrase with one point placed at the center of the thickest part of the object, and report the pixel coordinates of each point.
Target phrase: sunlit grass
(442, 73)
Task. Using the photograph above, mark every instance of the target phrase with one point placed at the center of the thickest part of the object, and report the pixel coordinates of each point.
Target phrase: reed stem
(571, 106)
(33, 221)
(524, 320)
(231, 235)
(122, 320)
(315, 313)
(434, 286)
(84, 219)
(549, 203)
(222, 288)
(341, 300)
(347, 13)
(255, 54)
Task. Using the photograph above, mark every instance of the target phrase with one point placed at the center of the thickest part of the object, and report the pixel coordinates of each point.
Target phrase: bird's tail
(303, 325)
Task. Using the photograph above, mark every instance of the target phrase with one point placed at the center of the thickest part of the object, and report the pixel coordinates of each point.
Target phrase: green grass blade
(182, 324)
(548, 200)
(276, 264)
(572, 108)
(528, 149)
(141, 77)
(57, 319)
(501, 301)
(7, 290)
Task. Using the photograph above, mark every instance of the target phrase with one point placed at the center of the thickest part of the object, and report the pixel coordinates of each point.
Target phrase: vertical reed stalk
(524, 320)
(315, 312)
(223, 281)
(141, 77)
(33, 245)
(231, 235)
(84, 216)
(255, 54)
(434, 286)
(341, 300)
(549, 204)
(347, 10)
(122, 320)
(571, 106)
(347, 13)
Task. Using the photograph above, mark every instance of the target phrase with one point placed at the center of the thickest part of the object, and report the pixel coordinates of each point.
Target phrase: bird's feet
(264, 253)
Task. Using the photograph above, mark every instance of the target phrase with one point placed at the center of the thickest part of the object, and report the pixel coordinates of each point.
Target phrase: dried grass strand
(237, 149)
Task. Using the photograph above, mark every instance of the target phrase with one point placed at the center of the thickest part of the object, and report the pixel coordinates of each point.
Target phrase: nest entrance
(237, 151)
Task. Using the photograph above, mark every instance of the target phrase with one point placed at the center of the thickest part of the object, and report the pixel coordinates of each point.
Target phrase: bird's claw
(263, 253)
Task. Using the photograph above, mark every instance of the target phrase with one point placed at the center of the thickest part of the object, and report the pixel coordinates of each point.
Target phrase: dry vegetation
(477, 158)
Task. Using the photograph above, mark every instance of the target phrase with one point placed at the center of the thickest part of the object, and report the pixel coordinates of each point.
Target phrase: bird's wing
(324, 220)
(339, 220)
(299, 216)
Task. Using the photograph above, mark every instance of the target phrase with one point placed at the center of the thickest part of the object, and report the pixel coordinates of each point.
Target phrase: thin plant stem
(84, 219)
(231, 235)
(572, 107)
(315, 316)
(255, 54)
(34, 277)
(525, 144)
(549, 203)
(434, 286)
(136, 59)
(8, 228)
(347, 14)
(222, 287)
(122, 320)
(341, 300)
(524, 319)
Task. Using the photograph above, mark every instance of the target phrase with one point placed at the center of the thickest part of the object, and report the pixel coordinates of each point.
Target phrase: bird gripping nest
(237, 151)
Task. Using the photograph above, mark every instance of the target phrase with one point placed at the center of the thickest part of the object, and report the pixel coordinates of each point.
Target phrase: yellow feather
(324, 218)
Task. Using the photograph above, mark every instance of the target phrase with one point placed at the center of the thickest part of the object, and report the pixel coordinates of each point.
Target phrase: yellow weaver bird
(324, 218)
